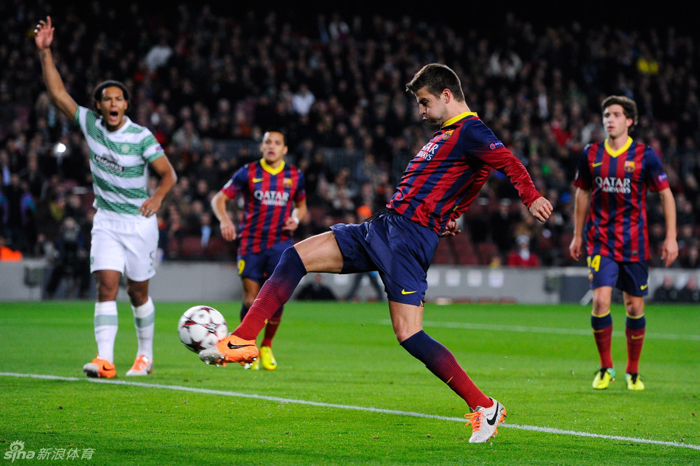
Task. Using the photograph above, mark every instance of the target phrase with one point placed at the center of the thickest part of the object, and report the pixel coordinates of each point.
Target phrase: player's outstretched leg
(240, 346)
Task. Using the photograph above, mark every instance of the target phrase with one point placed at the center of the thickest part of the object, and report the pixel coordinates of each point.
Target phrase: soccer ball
(201, 327)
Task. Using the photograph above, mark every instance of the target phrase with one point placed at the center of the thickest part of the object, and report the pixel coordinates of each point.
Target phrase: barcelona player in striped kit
(438, 185)
(611, 188)
(274, 201)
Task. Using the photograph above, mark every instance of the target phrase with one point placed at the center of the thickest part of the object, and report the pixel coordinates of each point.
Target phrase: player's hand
(43, 34)
(228, 231)
(541, 209)
(291, 224)
(451, 229)
(575, 247)
(669, 251)
(149, 207)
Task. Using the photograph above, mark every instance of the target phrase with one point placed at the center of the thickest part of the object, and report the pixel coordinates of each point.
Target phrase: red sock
(271, 328)
(635, 328)
(602, 332)
(274, 293)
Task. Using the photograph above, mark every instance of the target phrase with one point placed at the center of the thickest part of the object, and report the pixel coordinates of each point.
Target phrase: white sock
(144, 321)
(106, 325)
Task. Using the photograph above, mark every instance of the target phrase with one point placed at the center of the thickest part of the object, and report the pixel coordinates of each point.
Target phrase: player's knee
(601, 306)
(137, 295)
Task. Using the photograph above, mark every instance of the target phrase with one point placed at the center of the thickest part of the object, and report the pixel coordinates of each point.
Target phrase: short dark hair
(97, 95)
(436, 77)
(275, 129)
(629, 107)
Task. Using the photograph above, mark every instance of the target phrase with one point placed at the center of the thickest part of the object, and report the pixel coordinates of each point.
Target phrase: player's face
(273, 148)
(432, 108)
(113, 106)
(615, 122)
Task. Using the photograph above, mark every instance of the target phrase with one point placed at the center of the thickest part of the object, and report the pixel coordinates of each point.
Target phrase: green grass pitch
(345, 392)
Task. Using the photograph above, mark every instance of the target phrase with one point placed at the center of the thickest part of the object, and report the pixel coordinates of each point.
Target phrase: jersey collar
(455, 119)
(269, 169)
(615, 153)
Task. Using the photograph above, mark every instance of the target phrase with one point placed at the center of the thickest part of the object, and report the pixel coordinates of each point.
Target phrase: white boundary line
(548, 330)
(348, 407)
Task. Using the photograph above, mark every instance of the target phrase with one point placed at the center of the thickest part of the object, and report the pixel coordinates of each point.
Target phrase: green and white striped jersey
(119, 163)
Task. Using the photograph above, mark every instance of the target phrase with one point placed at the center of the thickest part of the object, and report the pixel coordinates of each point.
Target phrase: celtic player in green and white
(125, 229)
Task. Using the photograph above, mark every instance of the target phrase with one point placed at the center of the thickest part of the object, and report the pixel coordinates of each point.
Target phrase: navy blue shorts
(630, 277)
(259, 266)
(399, 249)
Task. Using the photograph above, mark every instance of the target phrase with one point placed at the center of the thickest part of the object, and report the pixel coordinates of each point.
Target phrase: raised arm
(54, 84)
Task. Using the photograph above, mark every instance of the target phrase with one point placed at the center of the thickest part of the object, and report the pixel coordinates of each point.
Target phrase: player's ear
(447, 95)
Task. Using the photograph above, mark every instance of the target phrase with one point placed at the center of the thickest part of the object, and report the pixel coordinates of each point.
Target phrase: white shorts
(128, 247)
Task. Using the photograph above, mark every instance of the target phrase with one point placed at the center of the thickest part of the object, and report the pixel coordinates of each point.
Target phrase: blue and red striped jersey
(443, 179)
(269, 196)
(618, 181)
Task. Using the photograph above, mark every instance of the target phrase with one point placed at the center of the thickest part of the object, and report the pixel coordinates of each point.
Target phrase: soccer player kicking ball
(611, 194)
(438, 185)
(125, 229)
(274, 201)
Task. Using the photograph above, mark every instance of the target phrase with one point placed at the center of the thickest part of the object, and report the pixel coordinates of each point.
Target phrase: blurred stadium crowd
(208, 84)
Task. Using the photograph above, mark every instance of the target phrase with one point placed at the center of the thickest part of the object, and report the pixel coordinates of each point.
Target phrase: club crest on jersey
(287, 182)
(496, 144)
(629, 166)
(446, 135)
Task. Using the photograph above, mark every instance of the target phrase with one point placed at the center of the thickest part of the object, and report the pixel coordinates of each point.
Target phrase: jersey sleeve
(655, 174)
(237, 183)
(150, 147)
(482, 144)
(583, 178)
(82, 117)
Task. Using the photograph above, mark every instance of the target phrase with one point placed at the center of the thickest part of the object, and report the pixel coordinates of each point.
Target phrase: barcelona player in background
(274, 201)
(438, 185)
(611, 199)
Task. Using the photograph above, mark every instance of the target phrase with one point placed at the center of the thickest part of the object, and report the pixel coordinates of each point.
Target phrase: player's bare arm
(168, 178)
(218, 206)
(582, 201)
(299, 212)
(669, 250)
(54, 84)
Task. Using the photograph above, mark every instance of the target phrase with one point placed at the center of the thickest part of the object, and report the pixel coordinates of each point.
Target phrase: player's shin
(276, 291)
(441, 362)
